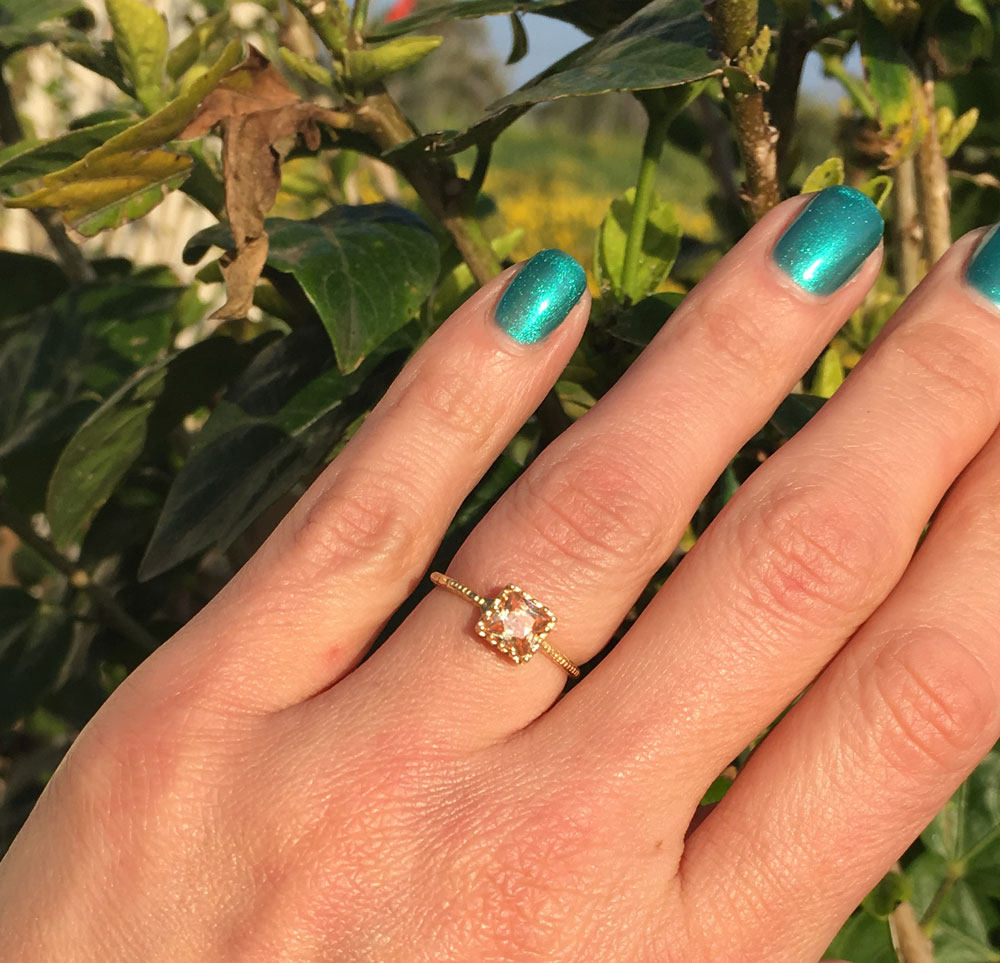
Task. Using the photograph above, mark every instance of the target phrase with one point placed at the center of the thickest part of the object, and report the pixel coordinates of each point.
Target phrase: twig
(908, 232)
(652, 148)
(735, 26)
(784, 97)
(77, 267)
(909, 941)
(932, 181)
(78, 577)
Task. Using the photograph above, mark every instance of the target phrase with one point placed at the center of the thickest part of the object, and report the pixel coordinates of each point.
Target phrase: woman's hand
(253, 793)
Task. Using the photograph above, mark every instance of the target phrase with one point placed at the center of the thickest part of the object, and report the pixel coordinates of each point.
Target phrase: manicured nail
(540, 296)
(983, 272)
(829, 240)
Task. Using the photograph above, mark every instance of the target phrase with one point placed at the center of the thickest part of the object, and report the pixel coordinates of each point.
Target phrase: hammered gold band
(515, 623)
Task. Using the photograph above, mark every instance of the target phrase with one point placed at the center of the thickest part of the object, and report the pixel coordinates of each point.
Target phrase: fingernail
(983, 272)
(540, 296)
(829, 240)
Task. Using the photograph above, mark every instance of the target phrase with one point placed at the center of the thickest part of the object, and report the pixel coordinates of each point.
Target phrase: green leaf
(21, 21)
(29, 282)
(371, 65)
(42, 157)
(460, 10)
(660, 243)
(894, 888)
(140, 38)
(895, 91)
(794, 412)
(666, 43)
(274, 424)
(115, 189)
(829, 374)
(185, 55)
(97, 458)
(111, 440)
(952, 131)
(639, 323)
(878, 189)
(830, 172)
(34, 646)
(863, 938)
(519, 40)
(306, 67)
(966, 833)
(125, 177)
(366, 269)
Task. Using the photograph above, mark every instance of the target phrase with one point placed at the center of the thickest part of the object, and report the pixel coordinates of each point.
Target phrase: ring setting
(514, 623)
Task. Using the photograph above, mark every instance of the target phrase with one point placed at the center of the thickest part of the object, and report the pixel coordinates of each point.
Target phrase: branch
(908, 232)
(79, 578)
(932, 181)
(76, 266)
(735, 25)
(792, 49)
(909, 941)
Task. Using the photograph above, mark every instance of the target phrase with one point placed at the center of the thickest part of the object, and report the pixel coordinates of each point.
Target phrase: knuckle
(363, 520)
(807, 554)
(740, 336)
(448, 402)
(592, 511)
(959, 370)
(929, 702)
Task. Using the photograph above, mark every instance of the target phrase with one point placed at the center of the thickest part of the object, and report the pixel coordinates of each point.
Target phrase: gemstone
(515, 623)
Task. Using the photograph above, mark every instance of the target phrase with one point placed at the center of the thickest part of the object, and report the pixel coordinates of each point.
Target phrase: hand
(252, 792)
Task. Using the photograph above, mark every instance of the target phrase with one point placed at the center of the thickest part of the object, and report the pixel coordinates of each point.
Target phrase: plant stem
(935, 194)
(359, 17)
(792, 49)
(652, 149)
(907, 230)
(938, 900)
(909, 941)
(76, 266)
(79, 578)
(735, 26)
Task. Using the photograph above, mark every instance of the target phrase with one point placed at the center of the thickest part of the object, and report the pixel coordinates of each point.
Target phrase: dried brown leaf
(261, 117)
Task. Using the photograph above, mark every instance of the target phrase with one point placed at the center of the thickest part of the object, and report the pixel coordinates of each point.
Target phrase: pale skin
(252, 792)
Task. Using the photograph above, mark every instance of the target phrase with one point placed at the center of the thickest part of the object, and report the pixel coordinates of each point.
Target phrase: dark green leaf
(460, 10)
(29, 281)
(366, 268)
(638, 324)
(147, 407)
(519, 40)
(793, 413)
(667, 42)
(21, 20)
(276, 422)
(864, 939)
(51, 155)
(32, 652)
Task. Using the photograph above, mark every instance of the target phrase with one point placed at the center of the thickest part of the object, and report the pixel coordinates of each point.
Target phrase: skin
(252, 792)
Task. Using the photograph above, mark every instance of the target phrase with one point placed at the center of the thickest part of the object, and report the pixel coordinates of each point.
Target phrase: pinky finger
(861, 764)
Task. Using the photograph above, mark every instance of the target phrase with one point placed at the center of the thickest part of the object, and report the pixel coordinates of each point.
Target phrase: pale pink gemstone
(515, 621)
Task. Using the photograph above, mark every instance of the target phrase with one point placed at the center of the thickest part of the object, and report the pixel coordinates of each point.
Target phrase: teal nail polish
(540, 296)
(829, 240)
(983, 272)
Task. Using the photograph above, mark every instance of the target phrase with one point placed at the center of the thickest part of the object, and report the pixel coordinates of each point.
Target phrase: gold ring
(514, 622)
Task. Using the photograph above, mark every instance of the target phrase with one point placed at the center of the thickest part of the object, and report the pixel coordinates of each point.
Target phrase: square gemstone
(515, 623)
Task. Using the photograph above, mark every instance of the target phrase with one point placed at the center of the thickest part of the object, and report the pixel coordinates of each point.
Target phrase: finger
(598, 512)
(802, 555)
(301, 612)
(862, 763)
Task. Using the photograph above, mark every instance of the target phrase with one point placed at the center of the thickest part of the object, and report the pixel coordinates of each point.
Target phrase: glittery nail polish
(829, 240)
(540, 296)
(983, 272)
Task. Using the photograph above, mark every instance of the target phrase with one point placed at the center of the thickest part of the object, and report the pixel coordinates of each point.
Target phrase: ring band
(514, 622)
